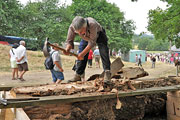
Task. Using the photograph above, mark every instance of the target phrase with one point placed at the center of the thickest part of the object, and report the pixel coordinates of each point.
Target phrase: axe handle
(62, 49)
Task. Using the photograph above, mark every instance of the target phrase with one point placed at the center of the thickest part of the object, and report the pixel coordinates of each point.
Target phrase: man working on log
(91, 33)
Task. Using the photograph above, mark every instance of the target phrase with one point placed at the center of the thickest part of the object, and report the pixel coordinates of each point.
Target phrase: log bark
(92, 86)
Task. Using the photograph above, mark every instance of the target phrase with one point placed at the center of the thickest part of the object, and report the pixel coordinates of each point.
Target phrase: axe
(47, 43)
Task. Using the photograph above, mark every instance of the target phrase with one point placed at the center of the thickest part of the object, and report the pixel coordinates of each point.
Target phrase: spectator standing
(136, 58)
(12, 56)
(96, 55)
(57, 71)
(172, 60)
(22, 60)
(139, 60)
(90, 57)
(153, 61)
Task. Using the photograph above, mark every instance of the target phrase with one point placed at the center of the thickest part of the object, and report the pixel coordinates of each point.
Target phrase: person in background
(21, 60)
(136, 58)
(90, 57)
(96, 56)
(57, 71)
(139, 60)
(12, 56)
(153, 61)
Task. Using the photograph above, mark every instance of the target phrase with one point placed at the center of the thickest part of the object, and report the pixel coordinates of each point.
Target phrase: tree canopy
(149, 43)
(165, 24)
(51, 18)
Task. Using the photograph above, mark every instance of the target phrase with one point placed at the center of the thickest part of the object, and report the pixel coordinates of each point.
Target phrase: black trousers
(102, 42)
(103, 49)
(90, 62)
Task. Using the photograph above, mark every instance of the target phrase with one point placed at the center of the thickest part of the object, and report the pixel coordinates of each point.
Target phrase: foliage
(51, 18)
(10, 17)
(147, 42)
(46, 19)
(165, 24)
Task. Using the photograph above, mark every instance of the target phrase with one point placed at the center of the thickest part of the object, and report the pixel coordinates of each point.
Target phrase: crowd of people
(165, 58)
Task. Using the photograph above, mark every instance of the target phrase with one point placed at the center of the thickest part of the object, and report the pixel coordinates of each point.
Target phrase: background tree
(165, 24)
(51, 18)
(148, 42)
(10, 17)
(46, 19)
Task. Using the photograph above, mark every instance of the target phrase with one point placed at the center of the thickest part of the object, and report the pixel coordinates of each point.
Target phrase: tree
(164, 24)
(10, 17)
(147, 42)
(46, 19)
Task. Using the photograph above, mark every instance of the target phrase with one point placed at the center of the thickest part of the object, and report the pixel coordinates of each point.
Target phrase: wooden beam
(9, 87)
(87, 97)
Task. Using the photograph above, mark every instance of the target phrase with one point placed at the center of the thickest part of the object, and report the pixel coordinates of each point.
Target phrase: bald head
(22, 43)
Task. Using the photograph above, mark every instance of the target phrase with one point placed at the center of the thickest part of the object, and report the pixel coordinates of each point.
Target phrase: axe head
(46, 49)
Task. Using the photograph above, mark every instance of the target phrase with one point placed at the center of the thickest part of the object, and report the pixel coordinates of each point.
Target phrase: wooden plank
(21, 115)
(87, 97)
(14, 113)
(9, 87)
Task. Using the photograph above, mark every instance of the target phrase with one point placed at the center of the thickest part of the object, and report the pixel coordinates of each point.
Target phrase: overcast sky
(136, 11)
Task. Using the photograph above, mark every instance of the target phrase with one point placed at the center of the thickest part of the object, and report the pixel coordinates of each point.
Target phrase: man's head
(56, 44)
(79, 24)
(22, 43)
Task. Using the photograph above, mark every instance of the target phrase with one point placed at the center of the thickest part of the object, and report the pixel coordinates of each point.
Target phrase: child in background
(57, 71)
(90, 57)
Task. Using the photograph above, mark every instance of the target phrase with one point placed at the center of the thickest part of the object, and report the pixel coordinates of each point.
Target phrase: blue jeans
(57, 75)
(81, 64)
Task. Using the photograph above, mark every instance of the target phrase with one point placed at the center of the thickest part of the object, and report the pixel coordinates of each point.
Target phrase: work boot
(107, 81)
(75, 78)
(107, 76)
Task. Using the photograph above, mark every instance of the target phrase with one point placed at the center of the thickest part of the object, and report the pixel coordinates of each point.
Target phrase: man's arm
(18, 60)
(84, 52)
(70, 40)
(57, 64)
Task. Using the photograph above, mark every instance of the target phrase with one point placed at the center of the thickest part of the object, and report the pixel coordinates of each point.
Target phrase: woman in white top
(12, 56)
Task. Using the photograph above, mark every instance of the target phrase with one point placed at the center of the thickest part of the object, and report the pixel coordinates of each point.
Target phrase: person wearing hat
(92, 33)
(12, 56)
(57, 71)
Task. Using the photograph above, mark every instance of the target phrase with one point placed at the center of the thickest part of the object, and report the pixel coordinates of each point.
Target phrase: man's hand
(68, 48)
(66, 52)
(18, 60)
(84, 52)
(80, 56)
(61, 70)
